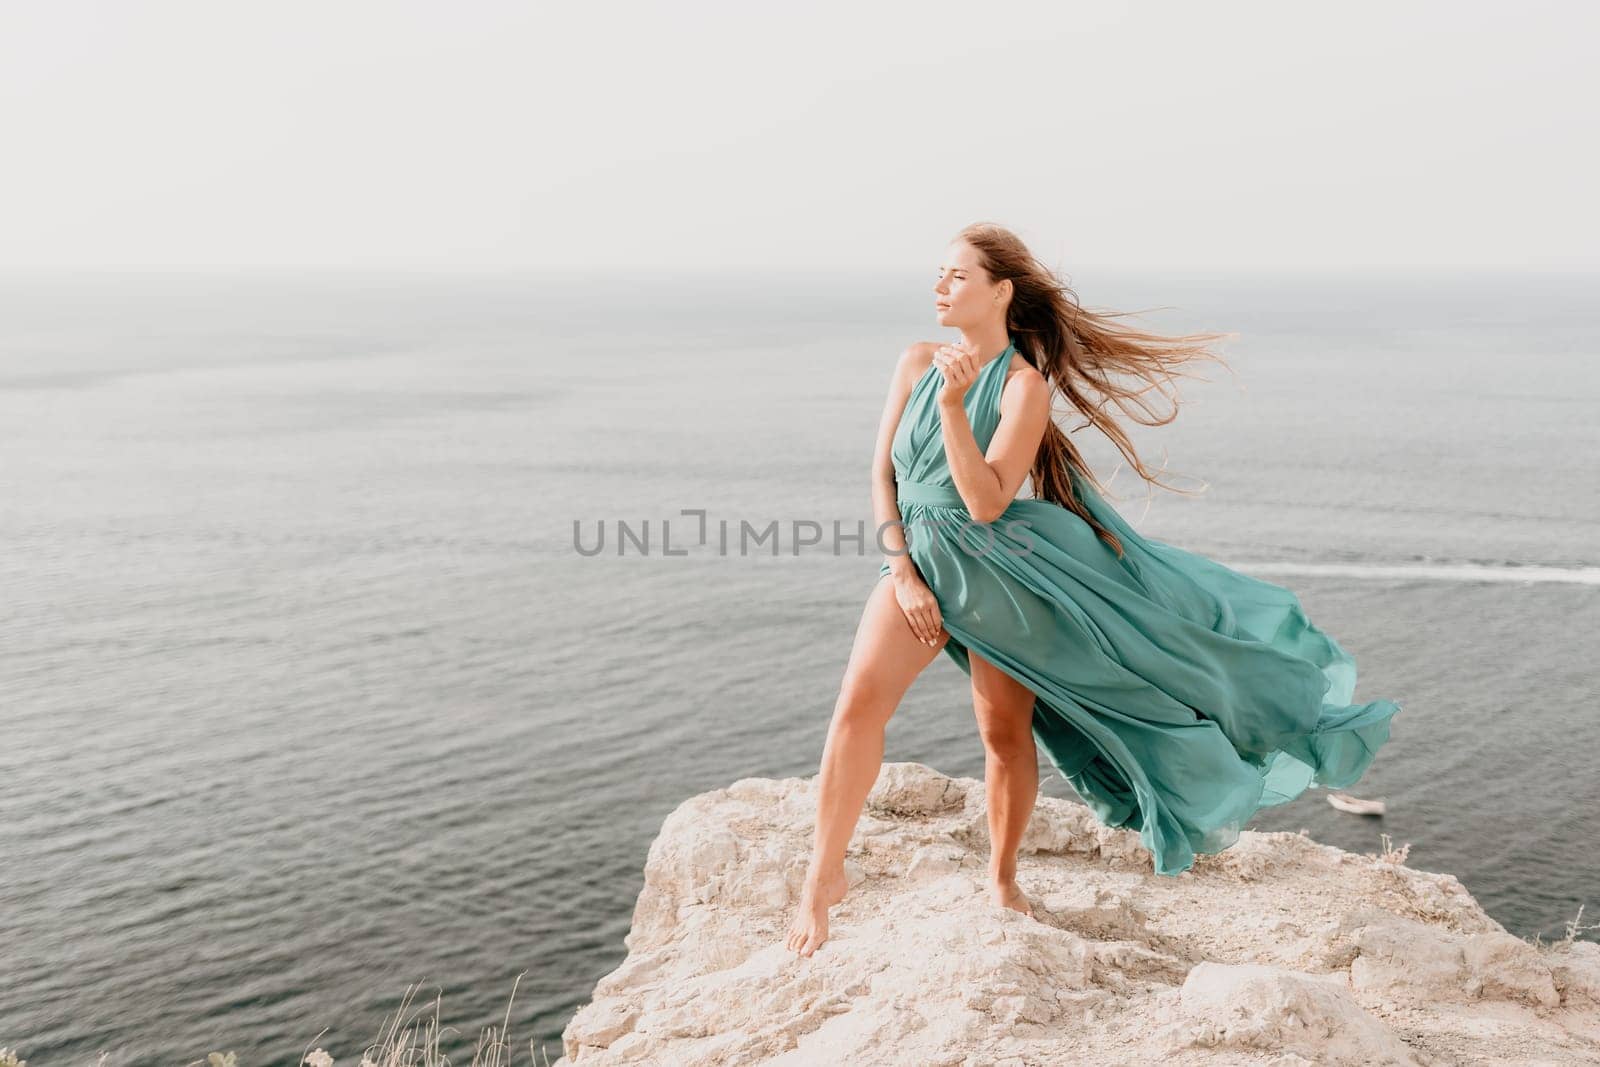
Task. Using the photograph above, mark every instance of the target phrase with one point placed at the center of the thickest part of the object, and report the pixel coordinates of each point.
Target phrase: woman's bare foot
(810, 926)
(1007, 894)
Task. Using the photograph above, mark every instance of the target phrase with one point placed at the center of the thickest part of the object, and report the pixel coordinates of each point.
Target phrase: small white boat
(1355, 805)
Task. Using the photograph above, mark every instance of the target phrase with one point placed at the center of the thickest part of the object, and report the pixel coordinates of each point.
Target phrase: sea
(315, 701)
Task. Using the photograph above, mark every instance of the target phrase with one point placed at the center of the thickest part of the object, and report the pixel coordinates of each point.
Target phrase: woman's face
(963, 295)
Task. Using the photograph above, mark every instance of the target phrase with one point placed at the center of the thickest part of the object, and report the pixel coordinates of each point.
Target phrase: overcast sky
(1254, 136)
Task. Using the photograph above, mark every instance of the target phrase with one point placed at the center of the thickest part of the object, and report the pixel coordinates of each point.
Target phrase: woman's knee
(864, 699)
(1006, 741)
(1005, 717)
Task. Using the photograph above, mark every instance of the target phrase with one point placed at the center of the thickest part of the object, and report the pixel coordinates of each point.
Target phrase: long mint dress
(1176, 695)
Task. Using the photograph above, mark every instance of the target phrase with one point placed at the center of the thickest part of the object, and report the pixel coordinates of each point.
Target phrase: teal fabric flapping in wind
(1177, 696)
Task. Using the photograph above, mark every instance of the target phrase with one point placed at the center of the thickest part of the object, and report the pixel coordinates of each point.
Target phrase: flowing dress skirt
(1176, 695)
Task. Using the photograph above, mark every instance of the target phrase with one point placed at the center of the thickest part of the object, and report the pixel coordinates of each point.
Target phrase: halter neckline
(1005, 354)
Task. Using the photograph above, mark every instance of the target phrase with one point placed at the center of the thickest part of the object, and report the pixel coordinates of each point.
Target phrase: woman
(1177, 696)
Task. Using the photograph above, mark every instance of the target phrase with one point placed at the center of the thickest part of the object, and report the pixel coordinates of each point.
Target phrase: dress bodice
(918, 448)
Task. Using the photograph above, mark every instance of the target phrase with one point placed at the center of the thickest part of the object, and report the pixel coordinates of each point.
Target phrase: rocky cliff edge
(1278, 951)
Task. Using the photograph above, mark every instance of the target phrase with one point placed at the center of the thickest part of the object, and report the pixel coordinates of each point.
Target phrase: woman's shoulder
(917, 357)
(1021, 369)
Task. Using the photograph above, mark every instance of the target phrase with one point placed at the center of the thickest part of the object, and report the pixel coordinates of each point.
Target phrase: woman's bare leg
(1004, 707)
(885, 659)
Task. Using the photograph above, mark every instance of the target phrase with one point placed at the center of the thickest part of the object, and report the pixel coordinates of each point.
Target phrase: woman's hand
(921, 607)
(960, 367)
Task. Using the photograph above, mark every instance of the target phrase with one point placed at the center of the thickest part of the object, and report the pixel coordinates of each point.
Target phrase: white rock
(1277, 951)
(1259, 1007)
(1576, 969)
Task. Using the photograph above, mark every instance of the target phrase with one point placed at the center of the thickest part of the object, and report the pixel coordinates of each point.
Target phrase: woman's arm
(911, 365)
(911, 592)
(989, 483)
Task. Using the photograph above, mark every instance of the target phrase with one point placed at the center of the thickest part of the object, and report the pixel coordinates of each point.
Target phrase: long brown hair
(1081, 352)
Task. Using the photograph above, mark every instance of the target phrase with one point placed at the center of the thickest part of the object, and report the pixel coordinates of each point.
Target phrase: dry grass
(1390, 854)
(1575, 926)
(408, 1039)
(412, 1042)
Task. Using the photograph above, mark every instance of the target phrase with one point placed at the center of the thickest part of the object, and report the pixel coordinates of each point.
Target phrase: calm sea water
(309, 697)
